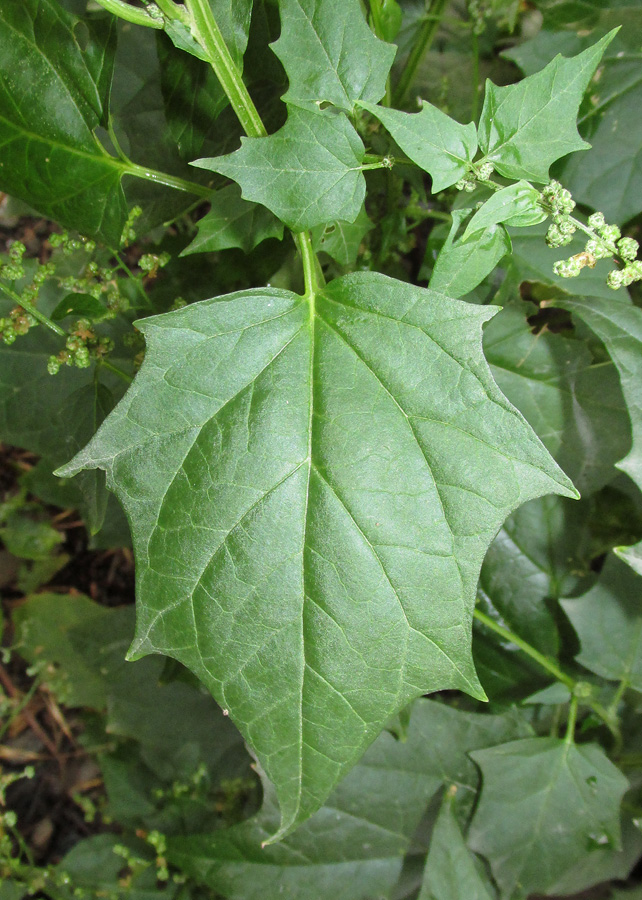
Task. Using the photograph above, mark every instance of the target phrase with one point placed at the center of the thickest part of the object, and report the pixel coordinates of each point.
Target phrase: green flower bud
(17, 251)
(485, 171)
(614, 279)
(53, 365)
(610, 233)
(597, 220)
(597, 249)
(628, 248)
(567, 268)
(567, 227)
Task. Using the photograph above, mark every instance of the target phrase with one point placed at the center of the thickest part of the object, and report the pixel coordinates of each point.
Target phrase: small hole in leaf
(329, 229)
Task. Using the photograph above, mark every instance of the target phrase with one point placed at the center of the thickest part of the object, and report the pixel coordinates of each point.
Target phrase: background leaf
(233, 222)
(462, 265)
(545, 806)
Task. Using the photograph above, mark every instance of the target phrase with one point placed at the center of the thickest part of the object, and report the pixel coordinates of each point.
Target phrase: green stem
(375, 12)
(31, 309)
(112, 368)
(617, 696)
(173, 10)
(569, 737)
(131, 13)
(208, 34)
(181, 184)
(312, 274)
(553, 669)
(421, 46)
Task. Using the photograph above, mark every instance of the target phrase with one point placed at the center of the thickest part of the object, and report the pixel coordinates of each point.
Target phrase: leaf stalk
(132, 14)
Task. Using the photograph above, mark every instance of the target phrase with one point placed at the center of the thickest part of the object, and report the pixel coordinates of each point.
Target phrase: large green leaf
(313, 483)
(353, 847)
(437, 143)
(462, 265)
(608, 621)
(451, 872)
(330, 54)
(51, 101)
(573, 402)
(308, 173)
(619, 325)
(525, 127)
(546, 804)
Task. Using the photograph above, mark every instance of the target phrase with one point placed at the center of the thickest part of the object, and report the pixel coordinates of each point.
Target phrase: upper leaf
(308, 173)
(525, 127)
(437, 143)
(330, 54)
(545, 805)
(51, 100)
(608, 622)
(515, 205)
(312, 484)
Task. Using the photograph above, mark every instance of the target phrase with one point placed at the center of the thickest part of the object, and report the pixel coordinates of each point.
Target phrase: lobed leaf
(308, 173)
(312, 484)
(545, 806)
(525, 127)
(462, 265)
(233, 222)
(437, 143)
(330, 54)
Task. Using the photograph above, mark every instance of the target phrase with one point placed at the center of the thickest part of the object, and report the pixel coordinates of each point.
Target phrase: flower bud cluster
(606, 241)
(558, 201)
(150, 263)
(18, 322)
(69, 244)
(468, 183)
(81, 347)
(13, 270)
(129, 234)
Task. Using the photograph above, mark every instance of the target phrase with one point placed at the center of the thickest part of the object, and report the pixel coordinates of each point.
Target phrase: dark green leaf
(233, 222)
(437, 143)
(451, 872)
(573, 402)
(330, 54)
(351, 848)
(619, 324)
(515, 205)
(313, 484)
(50, 155)
(546, 805)
(78, 305)
(461, 266)
(308, 173)
(525, 127)
(608, 621)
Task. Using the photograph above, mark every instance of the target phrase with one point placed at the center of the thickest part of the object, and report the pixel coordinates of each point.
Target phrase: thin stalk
(209, 36)
(173, 10)
(125, 268)
(553, 669)
(312, 274)
(569, 737)
(131, 13)
(26, 698)
(31, 309)
(181, 184)
(617, 696)
(112, 368)
(421, 46)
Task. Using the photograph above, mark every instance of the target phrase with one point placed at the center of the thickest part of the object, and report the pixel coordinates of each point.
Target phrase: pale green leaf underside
(545, 806)
(308, 173)
(437, 143)
(312, 488)
(525, 127)
(515, 205)
(330, 54)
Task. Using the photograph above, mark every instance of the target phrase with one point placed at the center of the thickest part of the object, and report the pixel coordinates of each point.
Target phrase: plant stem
(173, 10)
(31, 309)
(421, 46)
(572, 719)
(552, 668)
(617, 696)
(112, 368)
(312, 274)
(131, 13)
(375, 12)
(181, 184)
(208, 34)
